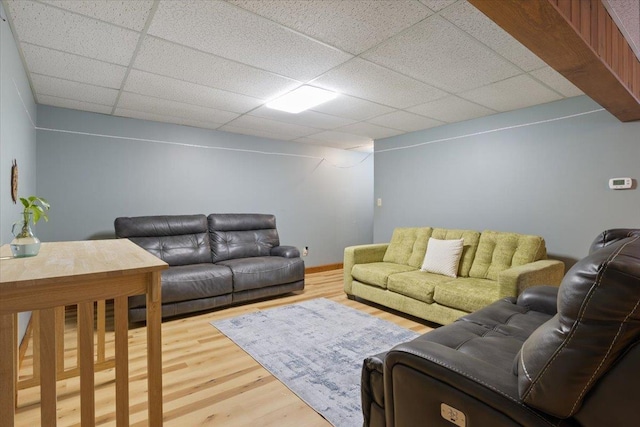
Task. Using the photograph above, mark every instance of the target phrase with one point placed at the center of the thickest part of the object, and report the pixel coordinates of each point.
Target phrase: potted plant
(25, 243)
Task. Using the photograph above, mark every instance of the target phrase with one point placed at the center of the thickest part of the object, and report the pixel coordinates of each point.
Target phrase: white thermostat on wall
(620, 183)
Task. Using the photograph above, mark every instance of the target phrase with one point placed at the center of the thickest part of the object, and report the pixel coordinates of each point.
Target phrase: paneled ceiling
(626, 14)
(399, 65)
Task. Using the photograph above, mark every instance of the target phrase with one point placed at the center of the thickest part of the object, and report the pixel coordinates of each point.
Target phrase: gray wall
(548, 178)
(90, 180)
(17, 132)
(17, 138)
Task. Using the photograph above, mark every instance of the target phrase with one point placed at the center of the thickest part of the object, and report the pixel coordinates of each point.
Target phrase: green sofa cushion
(406, 245)
(416, 284)
(498, 251)
(471, 239)
(409, 245)
(420, 247)
(377, 273)
(467, 293)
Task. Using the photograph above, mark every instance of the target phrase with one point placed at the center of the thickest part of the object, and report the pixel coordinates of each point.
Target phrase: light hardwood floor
(208, 380)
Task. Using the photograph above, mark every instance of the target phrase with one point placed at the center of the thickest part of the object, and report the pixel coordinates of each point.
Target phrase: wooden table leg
(60, 320)
(8, 347)
(121, 321)
(48, 371)
(154, 350)
(37, 352)
(85, 349)
(101, 330)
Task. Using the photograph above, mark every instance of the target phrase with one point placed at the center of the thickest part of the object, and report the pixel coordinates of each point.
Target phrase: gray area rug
(316, 349)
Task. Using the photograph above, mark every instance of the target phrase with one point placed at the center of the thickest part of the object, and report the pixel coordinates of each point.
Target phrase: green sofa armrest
(361, 254)
(513, 281)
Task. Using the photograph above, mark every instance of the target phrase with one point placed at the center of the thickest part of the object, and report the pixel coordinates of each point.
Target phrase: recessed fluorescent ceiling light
(301, 99)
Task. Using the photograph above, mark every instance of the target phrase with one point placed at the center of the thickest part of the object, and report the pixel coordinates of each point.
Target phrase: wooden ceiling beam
(581, 41)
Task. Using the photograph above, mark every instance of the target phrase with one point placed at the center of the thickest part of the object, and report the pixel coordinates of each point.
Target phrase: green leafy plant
(37, 208)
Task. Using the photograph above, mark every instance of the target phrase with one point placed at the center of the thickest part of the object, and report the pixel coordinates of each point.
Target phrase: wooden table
(68, 273)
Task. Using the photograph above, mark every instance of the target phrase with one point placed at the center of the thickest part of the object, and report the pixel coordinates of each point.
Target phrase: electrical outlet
(305, 251)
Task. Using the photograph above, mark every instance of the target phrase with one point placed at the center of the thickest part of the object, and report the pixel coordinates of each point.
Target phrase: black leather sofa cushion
(614, 400)
(242, 235)
(139, 314)
(175, 239)
(608, 237)
(258, 272)
(190, 282)
(267, 291)
(241, 244)
(598, 317)
(241, 222)
(493, 334)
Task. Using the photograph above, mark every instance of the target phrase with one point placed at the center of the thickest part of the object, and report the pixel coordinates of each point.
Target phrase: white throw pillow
(443, 256)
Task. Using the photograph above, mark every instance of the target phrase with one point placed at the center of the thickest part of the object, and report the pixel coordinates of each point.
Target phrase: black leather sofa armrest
(285, 251)
(540, 298)
(421, 376)
(372, 390)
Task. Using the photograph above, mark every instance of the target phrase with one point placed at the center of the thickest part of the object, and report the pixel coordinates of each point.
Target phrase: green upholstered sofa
(493, 265)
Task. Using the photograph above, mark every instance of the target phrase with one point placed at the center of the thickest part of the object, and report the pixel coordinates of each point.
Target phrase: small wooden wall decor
(14, 181)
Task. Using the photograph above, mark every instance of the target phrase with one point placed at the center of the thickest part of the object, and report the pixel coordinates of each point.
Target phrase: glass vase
(25, 243)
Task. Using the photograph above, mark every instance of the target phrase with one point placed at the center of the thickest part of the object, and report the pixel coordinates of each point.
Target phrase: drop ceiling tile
(147, 104)
(353, 26)
(365, 148)
(407, 122)
(368, 146)
(370, 130)
(277, 128)
(169, 59)
(122, 112)
(479, 26)
(310, 140)
(352, 108)
(370, 81)
(305, 118)
(72, 33)
(336, 139)
(190, 93)
(451, 109)
(42, 60)
(556, 81)
(437, 5)
(73, 104)
(511, 94)
(235, 33)
(261, 133)
(126, 13)
(52, 86)
(431, 50)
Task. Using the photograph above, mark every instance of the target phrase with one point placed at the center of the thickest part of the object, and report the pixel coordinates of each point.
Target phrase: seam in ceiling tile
(135, 52)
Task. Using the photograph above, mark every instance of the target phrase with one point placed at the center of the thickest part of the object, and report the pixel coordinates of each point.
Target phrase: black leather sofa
(567, 356)
(213, 261)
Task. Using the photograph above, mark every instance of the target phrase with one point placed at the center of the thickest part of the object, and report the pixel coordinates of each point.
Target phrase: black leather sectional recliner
(213, 261)
(567, 356)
